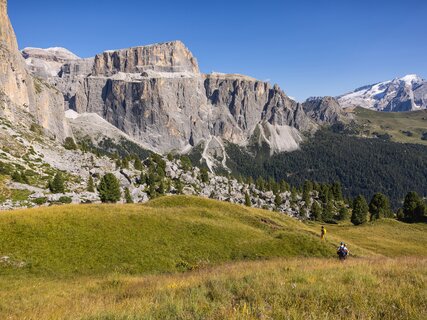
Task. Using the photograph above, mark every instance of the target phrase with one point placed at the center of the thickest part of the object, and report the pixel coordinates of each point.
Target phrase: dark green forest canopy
(363, 166)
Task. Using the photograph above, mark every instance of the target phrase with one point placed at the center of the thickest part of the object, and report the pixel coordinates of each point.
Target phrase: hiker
(322, 233)
(342, 251)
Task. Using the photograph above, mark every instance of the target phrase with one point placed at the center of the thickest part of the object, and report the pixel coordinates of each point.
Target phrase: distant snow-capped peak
(400, 94)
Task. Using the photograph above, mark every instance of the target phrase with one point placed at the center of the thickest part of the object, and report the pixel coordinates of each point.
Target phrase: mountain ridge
(408, 93)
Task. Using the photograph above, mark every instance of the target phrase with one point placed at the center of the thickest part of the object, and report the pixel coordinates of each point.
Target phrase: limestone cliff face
(157, 95)
(14, 80)
(25, 99)
(164, 57)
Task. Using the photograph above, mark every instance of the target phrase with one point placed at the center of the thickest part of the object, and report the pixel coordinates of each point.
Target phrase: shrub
(65, 200)
(40, 201)
(69, 144)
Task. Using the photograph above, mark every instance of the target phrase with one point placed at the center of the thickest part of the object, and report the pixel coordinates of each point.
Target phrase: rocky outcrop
(23, 98)
(408, 93)
(164, 57)
(324, 110)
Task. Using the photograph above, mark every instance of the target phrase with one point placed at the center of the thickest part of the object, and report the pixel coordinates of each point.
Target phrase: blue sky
(308, 47)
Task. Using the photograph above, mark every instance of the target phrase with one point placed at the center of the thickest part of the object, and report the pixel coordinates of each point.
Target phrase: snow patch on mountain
(401, 94)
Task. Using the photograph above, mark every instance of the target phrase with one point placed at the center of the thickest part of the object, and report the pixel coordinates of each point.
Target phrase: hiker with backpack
(343, 251)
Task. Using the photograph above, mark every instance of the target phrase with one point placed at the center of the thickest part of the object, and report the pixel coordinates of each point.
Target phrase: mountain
(23, 98)
(325, 110)
(408, 93)
(157, 95)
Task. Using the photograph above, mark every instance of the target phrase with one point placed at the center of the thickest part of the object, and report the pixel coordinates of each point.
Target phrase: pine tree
(248, 202)
(328, 211)
(137, 164)
(186, 163)
(316, 211)
(90, 185)
(178, 186)
(379, 207)
(109, 188)
(278, 200)
(142, 178)
(337, 191)
(294, 195)
(414, 207)
(161, 188)
(306, 193)
(57, 184)
(360, 211)
(128, 196)
(125, 163)
(343, 213)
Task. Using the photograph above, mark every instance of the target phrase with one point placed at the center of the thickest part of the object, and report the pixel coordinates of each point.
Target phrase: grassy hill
(169, 234)
(128, 262)
(407, 127)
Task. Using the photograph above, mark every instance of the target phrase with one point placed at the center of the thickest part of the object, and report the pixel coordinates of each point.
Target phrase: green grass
(192, 258)
(394, 124)
(169, 234)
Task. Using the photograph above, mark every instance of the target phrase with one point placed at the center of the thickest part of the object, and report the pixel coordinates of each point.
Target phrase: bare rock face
(324, 110)
(164, 57)
(157, 95)
(25, 99)
(14, 80)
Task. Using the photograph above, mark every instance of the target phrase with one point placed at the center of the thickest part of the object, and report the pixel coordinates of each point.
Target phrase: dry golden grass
(368, 288)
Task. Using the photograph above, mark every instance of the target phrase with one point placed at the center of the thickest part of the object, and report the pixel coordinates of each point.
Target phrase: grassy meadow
(406, 127)
(192, 258)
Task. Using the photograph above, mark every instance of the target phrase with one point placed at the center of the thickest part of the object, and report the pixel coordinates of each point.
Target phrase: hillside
(174, 234)
(363, 166)
(121, 262)
(406, 127)
(168, 234)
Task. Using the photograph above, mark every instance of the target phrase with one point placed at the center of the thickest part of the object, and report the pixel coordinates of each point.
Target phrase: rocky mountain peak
(168, 57)
(407, 93)
(324, 110)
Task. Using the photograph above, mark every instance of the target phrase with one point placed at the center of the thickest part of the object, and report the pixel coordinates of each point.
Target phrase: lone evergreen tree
(278, 200)
(178, 186)
(137, 164)
(204, 175)
(128, 196)
(414, 207)
(90, 185)
(57, 184)
(248, 202)
(379, 207)
(360, 211)
(109, 188)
